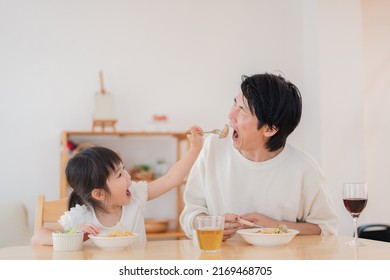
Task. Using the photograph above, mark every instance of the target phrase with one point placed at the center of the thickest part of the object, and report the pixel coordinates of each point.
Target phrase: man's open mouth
(235, 135)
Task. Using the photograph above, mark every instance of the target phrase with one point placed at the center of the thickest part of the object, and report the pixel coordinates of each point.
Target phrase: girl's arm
(43, 235)
(180, 169)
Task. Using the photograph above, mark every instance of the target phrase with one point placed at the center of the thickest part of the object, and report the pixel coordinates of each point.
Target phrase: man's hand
(231, 226)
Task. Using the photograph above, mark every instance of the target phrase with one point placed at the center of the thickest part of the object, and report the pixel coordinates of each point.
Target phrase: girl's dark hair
(87, 170)
(276, 102)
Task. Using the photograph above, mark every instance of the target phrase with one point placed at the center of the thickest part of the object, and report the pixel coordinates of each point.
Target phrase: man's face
(246, 136)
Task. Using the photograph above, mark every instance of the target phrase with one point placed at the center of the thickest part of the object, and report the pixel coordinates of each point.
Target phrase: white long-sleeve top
(289, 187)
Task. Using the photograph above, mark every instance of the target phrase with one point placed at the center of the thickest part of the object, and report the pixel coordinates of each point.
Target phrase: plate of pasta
(114, 240)
(267, 236)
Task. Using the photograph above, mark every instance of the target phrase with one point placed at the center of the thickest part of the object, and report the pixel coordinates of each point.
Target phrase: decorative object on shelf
(81, 147)
(104, 110)
(161, 168)
(74, 148)
(160, 122)
(141, 172)
(156, 225)
(70, 146)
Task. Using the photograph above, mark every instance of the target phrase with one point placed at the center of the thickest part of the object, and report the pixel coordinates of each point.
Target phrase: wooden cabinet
(174, 143)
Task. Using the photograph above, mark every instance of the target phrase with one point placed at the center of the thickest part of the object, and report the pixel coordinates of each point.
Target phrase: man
(254, 174)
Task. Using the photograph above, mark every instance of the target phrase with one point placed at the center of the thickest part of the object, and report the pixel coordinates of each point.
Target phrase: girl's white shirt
(132, 218)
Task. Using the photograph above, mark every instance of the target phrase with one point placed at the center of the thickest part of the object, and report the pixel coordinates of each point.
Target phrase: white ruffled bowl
(67, 241)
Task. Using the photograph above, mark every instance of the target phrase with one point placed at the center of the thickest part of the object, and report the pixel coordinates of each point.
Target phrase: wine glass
(355, 200)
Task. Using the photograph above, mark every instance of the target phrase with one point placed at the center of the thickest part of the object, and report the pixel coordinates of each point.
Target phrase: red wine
(355, 205)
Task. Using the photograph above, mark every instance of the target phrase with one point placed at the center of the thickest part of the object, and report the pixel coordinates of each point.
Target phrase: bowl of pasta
(267, 236)
(114, 240)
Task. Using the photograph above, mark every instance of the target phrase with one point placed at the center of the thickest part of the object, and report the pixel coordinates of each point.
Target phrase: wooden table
(300, 248)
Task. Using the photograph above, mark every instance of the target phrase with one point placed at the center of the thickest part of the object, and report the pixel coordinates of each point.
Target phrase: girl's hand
(196, 137)
(89, 229)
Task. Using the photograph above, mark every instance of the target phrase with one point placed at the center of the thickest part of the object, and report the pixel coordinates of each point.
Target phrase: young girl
(105, 199)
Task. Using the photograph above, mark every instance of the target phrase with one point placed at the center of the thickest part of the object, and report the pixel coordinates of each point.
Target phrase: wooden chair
(49, 211)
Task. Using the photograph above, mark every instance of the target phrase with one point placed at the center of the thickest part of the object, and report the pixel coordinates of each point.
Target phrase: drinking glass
(209, 232)
(355, 197)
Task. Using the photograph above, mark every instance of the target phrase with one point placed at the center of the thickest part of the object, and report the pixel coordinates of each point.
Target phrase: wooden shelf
(180, 138)
(178, 135)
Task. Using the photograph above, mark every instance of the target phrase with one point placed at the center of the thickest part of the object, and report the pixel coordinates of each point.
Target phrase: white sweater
(290, 187)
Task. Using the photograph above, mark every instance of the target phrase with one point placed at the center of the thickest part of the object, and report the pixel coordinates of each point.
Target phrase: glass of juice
(209, 232)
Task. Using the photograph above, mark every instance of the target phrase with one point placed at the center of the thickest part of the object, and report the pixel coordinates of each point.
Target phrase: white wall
(341, 98)
(181, 58)
(376, 45)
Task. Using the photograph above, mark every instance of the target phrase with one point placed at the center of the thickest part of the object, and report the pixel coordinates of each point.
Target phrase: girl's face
(118, 183)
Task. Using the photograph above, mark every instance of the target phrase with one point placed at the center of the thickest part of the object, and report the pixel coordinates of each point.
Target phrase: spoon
(222, 133)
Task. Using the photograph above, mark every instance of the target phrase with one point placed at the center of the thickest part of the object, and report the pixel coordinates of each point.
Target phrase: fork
(222, 133)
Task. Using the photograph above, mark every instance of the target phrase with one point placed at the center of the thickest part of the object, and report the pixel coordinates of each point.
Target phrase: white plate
(113, 243)
(262, 239)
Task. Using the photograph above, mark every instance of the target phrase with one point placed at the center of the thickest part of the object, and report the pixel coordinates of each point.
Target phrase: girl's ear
(270, 131)
(98, 194)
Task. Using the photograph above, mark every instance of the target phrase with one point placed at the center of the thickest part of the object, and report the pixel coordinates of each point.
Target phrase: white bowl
(263, 239)
(113, 243)
(67, 241)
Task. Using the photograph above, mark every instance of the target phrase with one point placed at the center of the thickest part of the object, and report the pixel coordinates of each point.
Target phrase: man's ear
(270, 131)
(98, 194)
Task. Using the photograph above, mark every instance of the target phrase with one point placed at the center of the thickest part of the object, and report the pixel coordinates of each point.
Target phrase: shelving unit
(181, 143)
